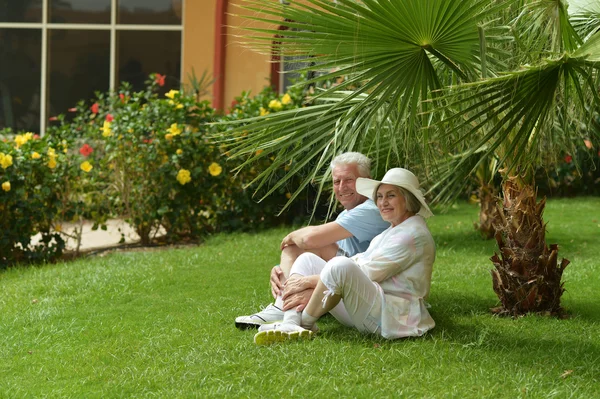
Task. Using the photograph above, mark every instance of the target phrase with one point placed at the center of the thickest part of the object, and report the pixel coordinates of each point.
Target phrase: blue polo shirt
(364, 223)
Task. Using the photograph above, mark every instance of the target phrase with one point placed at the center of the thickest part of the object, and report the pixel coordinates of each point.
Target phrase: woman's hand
(297, 300)
(276, 284)
(297, 291)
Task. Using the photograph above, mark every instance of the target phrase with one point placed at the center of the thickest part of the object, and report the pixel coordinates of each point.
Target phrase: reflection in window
(78, 66)
(149, 12)
(20, 59)
(79, 11)
(141, 53)
(20, 10)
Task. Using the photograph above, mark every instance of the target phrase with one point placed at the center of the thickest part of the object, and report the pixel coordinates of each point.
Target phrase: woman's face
(391, 204)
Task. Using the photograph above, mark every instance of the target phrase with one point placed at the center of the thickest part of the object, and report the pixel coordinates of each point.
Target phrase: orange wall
(245, 69)
(198, 37)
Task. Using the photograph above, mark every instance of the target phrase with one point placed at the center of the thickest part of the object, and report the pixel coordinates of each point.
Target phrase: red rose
(94, 108)
(86, 150)
(109, 118)
(568, 159)
(122, 97)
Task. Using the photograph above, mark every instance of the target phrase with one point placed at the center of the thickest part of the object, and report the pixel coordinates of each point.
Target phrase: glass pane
(141, 53)
(289, 65)
(78, 65)
(21, 11)
(155, 12)
(79, 11)
(20, 59)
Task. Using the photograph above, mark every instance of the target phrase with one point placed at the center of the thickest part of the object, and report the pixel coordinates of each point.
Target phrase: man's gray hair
(349, 158)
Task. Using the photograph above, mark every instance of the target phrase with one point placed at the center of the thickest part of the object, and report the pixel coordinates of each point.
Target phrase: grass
(160, 324)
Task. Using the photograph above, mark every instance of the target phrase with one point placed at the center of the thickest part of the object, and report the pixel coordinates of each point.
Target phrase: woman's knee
(337, 270)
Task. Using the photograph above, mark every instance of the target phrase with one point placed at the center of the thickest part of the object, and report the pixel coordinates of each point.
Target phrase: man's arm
(313, 237)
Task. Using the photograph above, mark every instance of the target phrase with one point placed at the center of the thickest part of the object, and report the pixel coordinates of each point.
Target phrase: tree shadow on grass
(466, 324)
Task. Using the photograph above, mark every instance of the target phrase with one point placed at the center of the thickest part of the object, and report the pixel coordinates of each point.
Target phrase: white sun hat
(398, 177)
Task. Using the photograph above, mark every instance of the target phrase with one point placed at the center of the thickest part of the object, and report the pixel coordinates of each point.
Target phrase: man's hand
(287, 241)
(276, 284)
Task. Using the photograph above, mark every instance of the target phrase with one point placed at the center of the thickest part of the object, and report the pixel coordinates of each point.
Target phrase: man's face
(344, 186)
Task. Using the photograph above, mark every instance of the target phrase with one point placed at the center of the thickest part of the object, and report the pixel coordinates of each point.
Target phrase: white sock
(292, 317)
(308, 321)
(279, 302)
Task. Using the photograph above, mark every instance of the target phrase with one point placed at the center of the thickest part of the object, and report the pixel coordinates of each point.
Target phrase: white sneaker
(280, 333)
(269, 315)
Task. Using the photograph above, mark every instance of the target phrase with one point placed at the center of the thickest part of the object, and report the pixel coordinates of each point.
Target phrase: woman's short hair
(412, 203)
(348, 158)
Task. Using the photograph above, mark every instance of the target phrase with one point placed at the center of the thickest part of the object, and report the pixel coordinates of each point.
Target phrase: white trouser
(361, 298)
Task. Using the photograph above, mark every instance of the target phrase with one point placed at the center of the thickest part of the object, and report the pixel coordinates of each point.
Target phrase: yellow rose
(106, 130)
(51, 152)
(169, 136)
(179, 106)
(29, 136)
(215, 169)
(6, 186)
(174, 130)
(179, 151)
(183, 176)
(275, 105)
(35, 155)
(52, 163)
(5, 160)
(171, 94)
(86, 166)
(263, 112)
(286, 99)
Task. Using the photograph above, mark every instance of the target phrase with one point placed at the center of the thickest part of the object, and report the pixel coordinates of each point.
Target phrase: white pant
(361, 298)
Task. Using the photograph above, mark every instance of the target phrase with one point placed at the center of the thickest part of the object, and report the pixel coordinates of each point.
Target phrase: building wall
(245, 69)
(198, 38)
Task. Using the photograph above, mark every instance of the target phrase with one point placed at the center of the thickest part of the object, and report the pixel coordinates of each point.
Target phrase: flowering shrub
(233, 208)
(577, 173)
(151, 158)
(29, 168)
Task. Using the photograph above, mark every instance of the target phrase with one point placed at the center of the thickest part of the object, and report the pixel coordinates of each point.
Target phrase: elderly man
(349, 234)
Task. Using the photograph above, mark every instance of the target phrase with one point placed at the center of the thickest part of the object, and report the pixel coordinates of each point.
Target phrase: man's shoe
(269, 315)
(282, 333)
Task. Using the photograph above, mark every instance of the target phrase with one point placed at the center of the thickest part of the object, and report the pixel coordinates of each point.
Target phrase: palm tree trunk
(488, 211)
(526, 277)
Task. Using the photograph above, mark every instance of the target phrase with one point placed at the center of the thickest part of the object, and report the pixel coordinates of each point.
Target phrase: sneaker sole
(249, 326)
(273, 336)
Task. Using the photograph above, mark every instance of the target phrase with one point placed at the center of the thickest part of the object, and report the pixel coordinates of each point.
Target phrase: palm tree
(442, 87)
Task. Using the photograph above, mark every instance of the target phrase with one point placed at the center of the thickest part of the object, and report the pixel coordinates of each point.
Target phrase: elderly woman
(379, 291)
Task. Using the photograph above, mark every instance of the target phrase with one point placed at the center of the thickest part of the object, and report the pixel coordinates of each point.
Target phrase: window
(284, 68)
(54, 53)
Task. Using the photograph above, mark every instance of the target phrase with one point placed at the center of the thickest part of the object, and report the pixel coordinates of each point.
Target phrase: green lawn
(160, 324)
